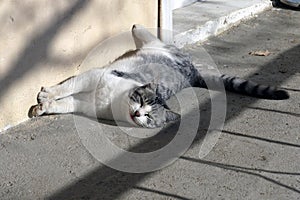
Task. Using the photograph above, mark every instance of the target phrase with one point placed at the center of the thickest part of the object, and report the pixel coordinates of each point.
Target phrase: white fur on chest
(112, 97)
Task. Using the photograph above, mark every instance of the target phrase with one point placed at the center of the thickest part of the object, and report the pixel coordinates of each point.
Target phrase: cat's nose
(137, 114)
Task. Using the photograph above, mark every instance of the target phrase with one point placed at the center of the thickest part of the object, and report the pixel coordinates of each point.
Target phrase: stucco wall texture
(44, 42)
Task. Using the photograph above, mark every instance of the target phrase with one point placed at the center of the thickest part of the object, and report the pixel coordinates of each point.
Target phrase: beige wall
(43, 42)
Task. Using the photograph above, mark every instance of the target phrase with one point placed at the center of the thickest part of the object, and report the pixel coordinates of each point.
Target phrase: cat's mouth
(136, 118)
(134, 115)
(131, 116)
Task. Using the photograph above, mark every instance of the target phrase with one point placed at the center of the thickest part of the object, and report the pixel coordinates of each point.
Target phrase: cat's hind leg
(142, 36)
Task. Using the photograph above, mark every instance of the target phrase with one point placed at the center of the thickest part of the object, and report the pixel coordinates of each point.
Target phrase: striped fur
(246, 87)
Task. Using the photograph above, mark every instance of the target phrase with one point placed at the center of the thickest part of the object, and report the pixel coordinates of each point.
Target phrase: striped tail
(246, 87)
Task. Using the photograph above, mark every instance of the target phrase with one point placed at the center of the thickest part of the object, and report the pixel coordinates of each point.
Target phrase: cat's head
(147, 109)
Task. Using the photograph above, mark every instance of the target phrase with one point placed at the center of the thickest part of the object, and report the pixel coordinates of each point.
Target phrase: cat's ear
(172, 116)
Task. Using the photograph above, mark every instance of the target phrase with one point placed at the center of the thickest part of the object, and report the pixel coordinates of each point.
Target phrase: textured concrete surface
(204, 19)
(257, 156)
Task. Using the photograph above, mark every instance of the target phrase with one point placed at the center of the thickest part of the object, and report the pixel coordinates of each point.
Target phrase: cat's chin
(131, 117)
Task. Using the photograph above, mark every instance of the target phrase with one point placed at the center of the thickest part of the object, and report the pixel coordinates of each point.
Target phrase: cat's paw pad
(37, 110)
(40, 109)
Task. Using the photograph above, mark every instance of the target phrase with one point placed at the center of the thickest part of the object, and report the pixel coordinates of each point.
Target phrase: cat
(135, 87)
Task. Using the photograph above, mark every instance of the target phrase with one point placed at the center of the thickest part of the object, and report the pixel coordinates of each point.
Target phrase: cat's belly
(111, 97)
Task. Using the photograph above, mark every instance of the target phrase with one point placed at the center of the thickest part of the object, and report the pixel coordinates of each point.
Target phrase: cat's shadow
(125, 136)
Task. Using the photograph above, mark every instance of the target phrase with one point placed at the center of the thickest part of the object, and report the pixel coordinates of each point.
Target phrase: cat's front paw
(39, 109)
(44, 95)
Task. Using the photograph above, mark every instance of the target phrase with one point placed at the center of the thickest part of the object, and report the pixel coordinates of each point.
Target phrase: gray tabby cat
(135, 87)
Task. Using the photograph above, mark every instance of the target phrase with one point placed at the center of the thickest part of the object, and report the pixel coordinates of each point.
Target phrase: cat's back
(166, 65)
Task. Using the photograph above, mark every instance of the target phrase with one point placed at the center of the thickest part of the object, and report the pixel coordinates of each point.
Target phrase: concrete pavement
(204, 19)
(257, 156)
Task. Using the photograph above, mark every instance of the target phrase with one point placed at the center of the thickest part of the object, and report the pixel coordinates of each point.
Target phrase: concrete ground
(256, 157)
(199, 21)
